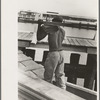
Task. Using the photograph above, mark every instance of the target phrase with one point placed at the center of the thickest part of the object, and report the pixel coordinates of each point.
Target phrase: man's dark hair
(57, 19)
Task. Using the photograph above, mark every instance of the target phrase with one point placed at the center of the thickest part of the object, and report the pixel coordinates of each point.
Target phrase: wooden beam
(22, 43)
(68, 24)
(44, 89)
(81, 91)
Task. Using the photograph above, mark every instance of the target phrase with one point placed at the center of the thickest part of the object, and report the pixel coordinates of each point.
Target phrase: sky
(86, 8)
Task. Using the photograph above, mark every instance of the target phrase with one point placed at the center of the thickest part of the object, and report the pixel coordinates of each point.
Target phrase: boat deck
(69, 44)
(32, 86)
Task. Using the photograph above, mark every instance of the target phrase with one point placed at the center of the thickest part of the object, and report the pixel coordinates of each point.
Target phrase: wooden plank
(90, 45)
(75, 42)
(21, 66)
(23, 43)
(24, 95)
(68, 24)
(29, 36)
(94, 43)
(27, 73)
(81, 91)
(21, 35)
(31, 65)
(67, 41)
(39, 72)
(46, 89)
(20, 52)
(24, 33)
(86, 43)
(77, 90)
(26, 37)
(22, 57)
(80, 42)
(27, 94)
(31, 74)
(71, 41)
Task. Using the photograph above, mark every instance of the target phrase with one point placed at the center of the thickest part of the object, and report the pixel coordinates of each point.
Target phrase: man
(54, 63)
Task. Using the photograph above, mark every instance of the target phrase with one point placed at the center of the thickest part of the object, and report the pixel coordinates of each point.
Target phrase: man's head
(57, 19)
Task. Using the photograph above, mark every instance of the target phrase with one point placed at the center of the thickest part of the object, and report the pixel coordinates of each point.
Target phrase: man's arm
(63, 34)
(41, 32)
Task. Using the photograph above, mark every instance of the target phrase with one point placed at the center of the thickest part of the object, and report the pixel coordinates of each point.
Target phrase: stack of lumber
(31, 86)
(27, 65)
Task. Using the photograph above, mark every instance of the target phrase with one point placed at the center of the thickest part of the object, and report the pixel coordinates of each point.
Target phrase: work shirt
(55, 36)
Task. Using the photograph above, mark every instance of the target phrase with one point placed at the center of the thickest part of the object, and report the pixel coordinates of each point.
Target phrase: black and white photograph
(57, 50)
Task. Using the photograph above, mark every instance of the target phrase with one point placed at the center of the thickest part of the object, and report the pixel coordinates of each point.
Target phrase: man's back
(55, 37)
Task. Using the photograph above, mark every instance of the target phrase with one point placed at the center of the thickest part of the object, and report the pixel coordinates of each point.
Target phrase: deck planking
(75, 42)
(94, 43)
(21, 35)
(24, 36)
(85, 43)
(39, 72)
(28, 37)
(20, 52)
(31, 65)
(91, 45)
(81, 43)
(45, 89)
(22, 57)
(49, 90)
(69, 40)
(21, 67)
